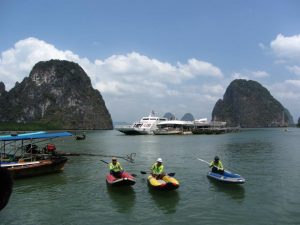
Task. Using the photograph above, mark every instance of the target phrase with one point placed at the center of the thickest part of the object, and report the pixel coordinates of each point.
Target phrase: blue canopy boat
(20, 155)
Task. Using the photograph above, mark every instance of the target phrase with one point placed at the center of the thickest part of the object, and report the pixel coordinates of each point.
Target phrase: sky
(175, 56)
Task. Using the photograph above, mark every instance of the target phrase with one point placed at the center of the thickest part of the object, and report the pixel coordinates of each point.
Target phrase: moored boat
(126, 179)
(172, 127)
(26, 159)
(133, 129)
(35, 168)
(202, 126)
(80, 137)
(145, 126)
(226, 177)
(166, 183)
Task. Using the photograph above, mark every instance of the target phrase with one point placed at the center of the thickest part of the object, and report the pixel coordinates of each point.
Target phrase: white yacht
(174, 127)
(145, 126)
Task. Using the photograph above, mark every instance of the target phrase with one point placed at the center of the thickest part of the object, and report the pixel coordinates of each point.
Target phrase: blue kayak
(227, 177)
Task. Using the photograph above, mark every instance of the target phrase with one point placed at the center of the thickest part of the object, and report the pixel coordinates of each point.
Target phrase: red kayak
(126, 180)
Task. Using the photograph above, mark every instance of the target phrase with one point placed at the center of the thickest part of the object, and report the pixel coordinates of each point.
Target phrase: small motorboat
(125, 180)
(166, 183)
(77, 137)
(226, 177)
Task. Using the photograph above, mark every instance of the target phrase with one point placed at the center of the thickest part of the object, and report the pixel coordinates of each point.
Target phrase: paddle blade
(143, 172)
(134, 175)
(171, 174)
(104, 161)
(203, 161)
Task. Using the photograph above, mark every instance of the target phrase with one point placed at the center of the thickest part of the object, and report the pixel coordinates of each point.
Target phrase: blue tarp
(34, 135)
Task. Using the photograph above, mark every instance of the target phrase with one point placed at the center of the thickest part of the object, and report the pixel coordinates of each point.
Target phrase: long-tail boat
(20, 155)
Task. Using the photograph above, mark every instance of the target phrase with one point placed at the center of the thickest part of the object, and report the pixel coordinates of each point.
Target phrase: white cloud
(287, 52)
(260, 74)
(287, 92)
(237, 75)
(132, 78)
(294, 69)
(293, 83)
(17, 62)
(286, 47)
(213, 89)
(199, 68)
(246, 74)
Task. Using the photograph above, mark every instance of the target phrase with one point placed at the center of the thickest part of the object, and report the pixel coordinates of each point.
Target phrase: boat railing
(27, 153)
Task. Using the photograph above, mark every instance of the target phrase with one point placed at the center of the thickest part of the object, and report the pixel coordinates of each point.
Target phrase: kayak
(125, 180)
(227, 177)
(166, 183)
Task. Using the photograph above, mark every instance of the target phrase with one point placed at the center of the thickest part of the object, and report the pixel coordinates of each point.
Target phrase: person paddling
(217, 166)
(157, 169)
(115, 168)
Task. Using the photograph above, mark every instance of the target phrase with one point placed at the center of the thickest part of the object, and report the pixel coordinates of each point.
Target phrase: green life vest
(219, 164)
(157, 169)
(115, 168)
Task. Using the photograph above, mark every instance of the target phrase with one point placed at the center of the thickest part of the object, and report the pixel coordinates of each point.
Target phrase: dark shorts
(116, 174)
(215, 170)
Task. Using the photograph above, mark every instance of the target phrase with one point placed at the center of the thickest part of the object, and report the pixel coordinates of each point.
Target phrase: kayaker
(115, 168)
(157, 169)
(217, 166)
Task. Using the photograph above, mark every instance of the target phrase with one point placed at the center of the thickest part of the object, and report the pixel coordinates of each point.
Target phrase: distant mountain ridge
(57, 92)
(186, 116)
(169, 116)
(249, 104)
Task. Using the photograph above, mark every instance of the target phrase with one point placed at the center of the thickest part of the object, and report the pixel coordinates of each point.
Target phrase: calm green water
(269, 159)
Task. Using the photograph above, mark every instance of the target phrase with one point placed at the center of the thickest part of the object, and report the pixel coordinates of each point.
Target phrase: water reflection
(123, 198)
(165, 200)
(234, 191)
(46, 182)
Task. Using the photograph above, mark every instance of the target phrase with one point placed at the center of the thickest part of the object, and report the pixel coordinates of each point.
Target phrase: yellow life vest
(219, 165)
(157, 169)
(115, 168)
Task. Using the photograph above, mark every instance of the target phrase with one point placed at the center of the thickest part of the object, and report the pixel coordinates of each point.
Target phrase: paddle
(128, 158)
(132, 174)
(169, 174)
(104, 161)
(202, 160)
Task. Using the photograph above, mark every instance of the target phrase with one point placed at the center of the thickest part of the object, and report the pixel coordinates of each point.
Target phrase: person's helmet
(217, 158)
(159, 160)
(114, 159)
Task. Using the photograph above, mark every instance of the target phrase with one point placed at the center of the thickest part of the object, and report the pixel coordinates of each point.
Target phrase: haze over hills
(249, 104)
(58, 93)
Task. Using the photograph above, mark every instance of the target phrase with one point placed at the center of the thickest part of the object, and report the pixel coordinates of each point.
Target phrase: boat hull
(167, 132)
(166, 183)
(227, 177)
(125, 180)
(145, 126)
(129, 131)
(36, 168)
